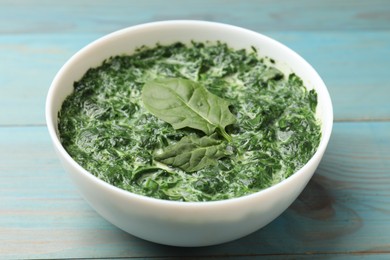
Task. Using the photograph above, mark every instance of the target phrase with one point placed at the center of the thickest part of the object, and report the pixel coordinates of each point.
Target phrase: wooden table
(344, 213)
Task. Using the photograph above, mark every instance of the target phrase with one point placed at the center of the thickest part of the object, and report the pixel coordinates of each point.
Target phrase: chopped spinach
(107, 125)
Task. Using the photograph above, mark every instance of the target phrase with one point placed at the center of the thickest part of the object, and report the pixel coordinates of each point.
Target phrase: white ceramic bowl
(185, 223)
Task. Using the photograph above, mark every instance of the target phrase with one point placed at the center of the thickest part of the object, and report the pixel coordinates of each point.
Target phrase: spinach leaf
(192, 153)
(184, 103)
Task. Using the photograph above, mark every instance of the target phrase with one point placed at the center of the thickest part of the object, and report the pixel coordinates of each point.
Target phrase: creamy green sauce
(106, 128)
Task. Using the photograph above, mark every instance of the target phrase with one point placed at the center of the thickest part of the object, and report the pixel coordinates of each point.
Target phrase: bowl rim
(52, 129)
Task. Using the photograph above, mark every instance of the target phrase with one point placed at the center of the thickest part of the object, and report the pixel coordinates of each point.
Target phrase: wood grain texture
(344, 212)
(344, 209)
(42, 16)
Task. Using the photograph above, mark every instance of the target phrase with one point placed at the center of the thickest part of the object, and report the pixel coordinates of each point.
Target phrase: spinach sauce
(105, 126)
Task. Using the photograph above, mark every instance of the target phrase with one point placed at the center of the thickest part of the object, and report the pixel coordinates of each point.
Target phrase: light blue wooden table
(344, 213)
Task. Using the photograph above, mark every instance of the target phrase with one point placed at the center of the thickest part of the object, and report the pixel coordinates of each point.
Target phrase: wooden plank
(357, 79)
(354, 66)
(343, 213)
(28, 65)
(103, 16)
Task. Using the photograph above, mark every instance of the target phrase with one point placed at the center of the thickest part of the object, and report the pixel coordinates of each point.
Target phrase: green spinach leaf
(192, 153)
(184, 103)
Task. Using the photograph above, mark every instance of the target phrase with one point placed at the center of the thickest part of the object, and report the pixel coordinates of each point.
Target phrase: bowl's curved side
(188, 224)
(176, 223)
